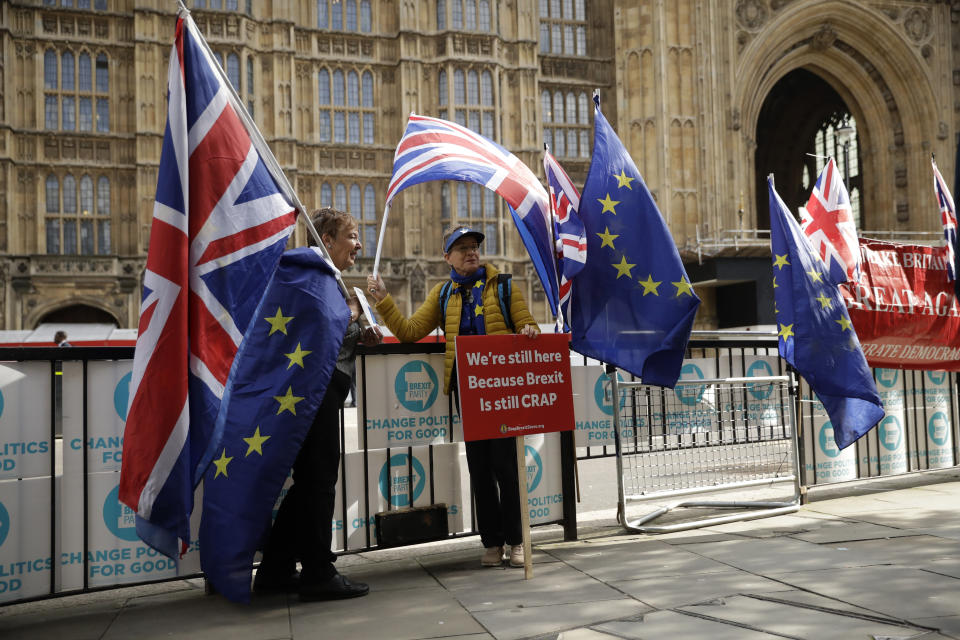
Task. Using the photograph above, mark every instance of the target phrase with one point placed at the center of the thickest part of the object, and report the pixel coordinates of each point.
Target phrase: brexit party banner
(406, 405)
(593, 407)
(512, 385)
(25, 450)
(903, 308)
(825, 461)
(115, 554)
(932, 396)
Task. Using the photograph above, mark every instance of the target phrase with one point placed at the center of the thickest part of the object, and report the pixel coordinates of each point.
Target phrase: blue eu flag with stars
(276, 384)
(814, 330)
(632, 303)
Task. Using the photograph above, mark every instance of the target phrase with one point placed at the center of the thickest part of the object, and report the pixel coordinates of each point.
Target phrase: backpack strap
(445, 292)
(504, 293)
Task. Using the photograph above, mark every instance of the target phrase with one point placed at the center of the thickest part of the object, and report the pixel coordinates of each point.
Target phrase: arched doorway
(796, 132)
(78, 313)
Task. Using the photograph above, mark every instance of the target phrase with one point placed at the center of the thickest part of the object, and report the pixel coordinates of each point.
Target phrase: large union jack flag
(829, 226)
(435, 149)
(570, 234)
(219, 227)
(948, 215)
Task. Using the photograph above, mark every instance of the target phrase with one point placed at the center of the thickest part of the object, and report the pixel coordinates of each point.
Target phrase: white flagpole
(558, 315)
(256, 138)
(383, 228)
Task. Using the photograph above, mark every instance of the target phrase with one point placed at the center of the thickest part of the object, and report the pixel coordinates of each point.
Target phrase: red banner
(904, 308)
(511, 385)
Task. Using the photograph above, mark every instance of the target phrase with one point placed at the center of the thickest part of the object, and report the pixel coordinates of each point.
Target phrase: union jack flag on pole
(948, 215)
(570, 234)
(221, 220)
(435, 149)
(829, 226)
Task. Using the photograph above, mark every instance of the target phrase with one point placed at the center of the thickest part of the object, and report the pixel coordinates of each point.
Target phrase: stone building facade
(708, 95)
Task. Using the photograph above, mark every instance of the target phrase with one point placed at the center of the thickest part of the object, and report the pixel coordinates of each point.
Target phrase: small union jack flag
(948, 215)
(829, 226)
(435, 149)
(570, 234)
(219, 227)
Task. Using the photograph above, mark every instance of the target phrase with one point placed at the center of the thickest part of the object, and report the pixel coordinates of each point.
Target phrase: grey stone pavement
(876, 561)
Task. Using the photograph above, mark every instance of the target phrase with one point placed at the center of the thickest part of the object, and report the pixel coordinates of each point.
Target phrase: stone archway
(878, 75)
(76, 313)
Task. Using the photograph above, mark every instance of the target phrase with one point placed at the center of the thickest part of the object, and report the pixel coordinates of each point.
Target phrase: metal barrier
(707, 435)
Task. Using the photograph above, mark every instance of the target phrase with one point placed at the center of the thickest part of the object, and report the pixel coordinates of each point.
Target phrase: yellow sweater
(428, 317)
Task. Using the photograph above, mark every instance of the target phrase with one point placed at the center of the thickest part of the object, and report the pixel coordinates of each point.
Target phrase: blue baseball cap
(458, 233)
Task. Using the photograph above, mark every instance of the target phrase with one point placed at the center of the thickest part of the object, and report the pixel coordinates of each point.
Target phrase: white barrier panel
(402, 478)
(24, 538)
(108, 386)
(891, 432)
(24, 420)
(406, 405)
(593, 407)
(544, 483)
(114, 551)
(936, 413)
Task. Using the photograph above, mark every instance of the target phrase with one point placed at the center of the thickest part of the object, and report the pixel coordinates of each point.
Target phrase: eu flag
(632, 304)
(275, 386)
(814, 330)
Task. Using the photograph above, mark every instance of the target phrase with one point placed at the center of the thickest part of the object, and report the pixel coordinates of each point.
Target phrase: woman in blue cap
(470, 304)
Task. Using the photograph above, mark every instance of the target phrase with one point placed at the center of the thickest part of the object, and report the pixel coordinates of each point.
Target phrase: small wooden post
(524, 510)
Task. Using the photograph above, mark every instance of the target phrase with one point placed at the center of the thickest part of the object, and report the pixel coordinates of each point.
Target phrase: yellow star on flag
(844, 323)
(786, 331)
(608, 205)
(288, 402)
(623, 269)
(649, 286)
(278, 323)
(479, 284)
(623, 180)
(221, 465)
(255, 442)
(781, 261)
(297, 356)
(775, 285)
(478, 310)
(683, 287)
(815, 275)
(607, 238)
(824, 301)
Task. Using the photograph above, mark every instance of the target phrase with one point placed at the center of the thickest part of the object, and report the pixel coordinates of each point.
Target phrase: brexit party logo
(603, 393)
(827, 444)
(888, 377)
(890, 433)
(4, 524)
(534, 469)
(416, 386)
(1, 404)
(939, 428)
(690, 394)
(402, 480)
(759, 369)
(119, 518)
(121, 396)
(937, 377)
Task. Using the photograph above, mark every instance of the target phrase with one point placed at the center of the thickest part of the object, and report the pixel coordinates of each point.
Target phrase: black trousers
(496, 490)
(303, 528)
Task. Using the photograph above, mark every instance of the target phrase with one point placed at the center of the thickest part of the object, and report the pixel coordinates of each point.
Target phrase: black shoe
(334, 588)
(267, 581)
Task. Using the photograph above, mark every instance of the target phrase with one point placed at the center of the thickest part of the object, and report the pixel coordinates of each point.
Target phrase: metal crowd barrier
(706, 435)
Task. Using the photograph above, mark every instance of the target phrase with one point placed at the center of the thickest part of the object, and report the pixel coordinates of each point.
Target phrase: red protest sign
(511, 385)
(904, 308)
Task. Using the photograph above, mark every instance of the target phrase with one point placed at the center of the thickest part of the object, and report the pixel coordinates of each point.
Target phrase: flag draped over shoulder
(633, 304)
(815, 332)
(948, 215)
(277, 382)
(571, 238)
(435, 149)
(829, 226)
(219, 226)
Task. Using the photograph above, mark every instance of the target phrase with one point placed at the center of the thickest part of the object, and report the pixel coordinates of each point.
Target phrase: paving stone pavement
(881, 565)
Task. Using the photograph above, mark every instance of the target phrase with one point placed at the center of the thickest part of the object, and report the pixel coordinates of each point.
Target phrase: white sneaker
(492, 557)
(516, 555)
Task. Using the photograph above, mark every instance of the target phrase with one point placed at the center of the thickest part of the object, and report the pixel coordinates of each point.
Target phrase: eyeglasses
(466, 248)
